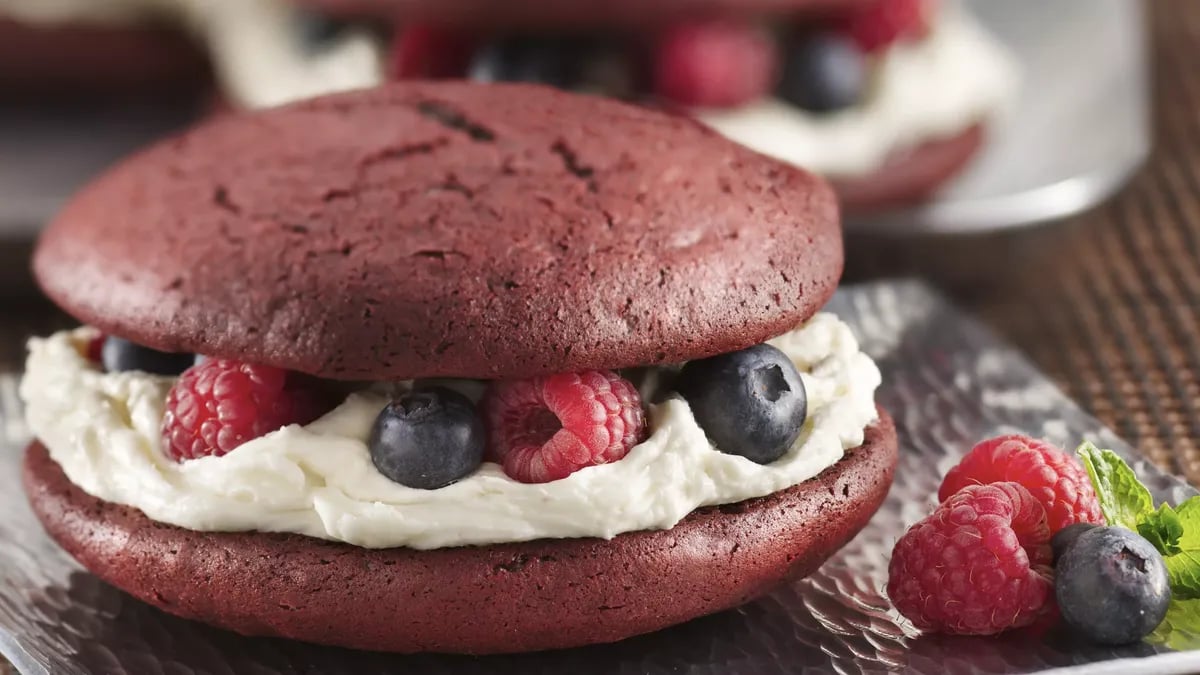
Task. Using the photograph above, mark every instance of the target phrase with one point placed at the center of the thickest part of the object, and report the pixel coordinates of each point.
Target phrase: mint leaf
(1175, 532)
(1183, 563)
(1180, 549)
(1189, 517)
(1183, 571)
(1163, 528)
(1122, 498)
(1126, 502)
(1180, 629)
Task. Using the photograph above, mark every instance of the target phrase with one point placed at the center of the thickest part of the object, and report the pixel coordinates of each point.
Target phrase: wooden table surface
(1107, 303)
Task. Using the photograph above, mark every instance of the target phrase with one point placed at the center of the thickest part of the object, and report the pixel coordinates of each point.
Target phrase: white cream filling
(922, 91)
(318, 480)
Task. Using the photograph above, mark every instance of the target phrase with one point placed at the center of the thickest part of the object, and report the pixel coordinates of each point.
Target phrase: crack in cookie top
(435, 230)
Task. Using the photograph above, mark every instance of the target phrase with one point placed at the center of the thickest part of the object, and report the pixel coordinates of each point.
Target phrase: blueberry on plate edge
(750, 402)
(1112, 586)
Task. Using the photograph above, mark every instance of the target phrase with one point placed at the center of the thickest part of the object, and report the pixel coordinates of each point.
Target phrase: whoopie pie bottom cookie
(520, 597)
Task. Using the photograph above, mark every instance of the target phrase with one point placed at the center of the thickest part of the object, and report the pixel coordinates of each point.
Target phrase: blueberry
(317, 31)
(750, 403)
(427, 438)
(1112, 586)
(573, 63)
(823, 72)
(526, 59)
(1064, 539)
(119, 355)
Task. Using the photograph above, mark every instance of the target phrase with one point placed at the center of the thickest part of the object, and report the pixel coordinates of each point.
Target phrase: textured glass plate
(948, 382)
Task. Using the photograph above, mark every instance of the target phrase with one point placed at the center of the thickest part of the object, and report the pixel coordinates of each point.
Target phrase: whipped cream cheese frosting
(318, 480)
(926, 90)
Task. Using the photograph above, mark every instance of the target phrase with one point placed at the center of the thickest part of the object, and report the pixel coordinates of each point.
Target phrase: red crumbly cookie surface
(1055, 478)
(979, 565)
(530, 596)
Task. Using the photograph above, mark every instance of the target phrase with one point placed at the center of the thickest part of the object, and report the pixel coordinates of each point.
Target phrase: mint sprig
(1180, 630)
(1175, 532)
(1183, 567)
(1163, 528)
(1123, 498)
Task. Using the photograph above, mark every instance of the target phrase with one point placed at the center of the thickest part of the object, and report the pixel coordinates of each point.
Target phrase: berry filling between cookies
(221, 445)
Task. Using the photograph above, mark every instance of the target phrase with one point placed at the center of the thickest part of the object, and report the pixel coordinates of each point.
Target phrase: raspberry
(885, 22)
(217, 405)
(547, 428)
(421, 51)
(978, 565)
(1053, 477)
(714, 63)
(93, 349)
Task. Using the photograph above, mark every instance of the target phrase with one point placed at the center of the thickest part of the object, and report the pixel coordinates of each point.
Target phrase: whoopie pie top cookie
(446, 230)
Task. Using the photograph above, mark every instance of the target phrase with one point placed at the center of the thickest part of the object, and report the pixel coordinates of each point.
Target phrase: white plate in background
(1079, 130)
